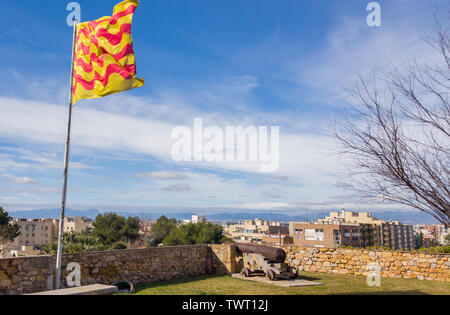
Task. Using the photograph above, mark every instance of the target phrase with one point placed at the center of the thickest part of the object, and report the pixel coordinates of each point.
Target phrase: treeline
(169, 232)
(111, 231)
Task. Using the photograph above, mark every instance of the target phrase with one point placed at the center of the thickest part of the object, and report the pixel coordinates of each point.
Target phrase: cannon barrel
(276, 255)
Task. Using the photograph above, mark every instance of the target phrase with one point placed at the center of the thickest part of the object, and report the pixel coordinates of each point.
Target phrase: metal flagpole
(66, 167)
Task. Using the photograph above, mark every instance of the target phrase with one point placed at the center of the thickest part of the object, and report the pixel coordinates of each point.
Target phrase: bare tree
(397, 135)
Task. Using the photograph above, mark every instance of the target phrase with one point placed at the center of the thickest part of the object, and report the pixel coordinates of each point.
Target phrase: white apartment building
(198, 219)
(76, 224)
(195, 219)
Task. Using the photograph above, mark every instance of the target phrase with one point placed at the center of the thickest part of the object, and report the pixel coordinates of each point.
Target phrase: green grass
(333, 284)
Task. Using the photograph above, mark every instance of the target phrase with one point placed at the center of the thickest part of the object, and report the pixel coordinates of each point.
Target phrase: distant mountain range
(406, 217)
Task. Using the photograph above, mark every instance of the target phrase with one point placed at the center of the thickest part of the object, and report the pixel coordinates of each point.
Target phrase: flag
(104, 61)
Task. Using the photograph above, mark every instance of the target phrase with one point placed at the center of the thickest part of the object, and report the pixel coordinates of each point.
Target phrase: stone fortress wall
(391, 264)
(30, 274)
(23, 275)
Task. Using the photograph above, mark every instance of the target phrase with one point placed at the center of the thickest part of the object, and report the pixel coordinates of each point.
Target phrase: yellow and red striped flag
(104, 58)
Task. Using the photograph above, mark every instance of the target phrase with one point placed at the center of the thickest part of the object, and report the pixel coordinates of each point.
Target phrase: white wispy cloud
(164, 175)
(272, 194)
(23, 180)
(263, 206)
(178, 187)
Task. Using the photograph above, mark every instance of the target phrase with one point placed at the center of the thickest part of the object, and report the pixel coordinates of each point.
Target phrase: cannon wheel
(245, 272)
(295, 274)
(271, 274)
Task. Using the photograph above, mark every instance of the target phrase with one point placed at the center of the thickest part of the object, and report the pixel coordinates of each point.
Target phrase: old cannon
(266, 260)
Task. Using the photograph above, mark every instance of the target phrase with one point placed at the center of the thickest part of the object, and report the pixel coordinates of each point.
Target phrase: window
(314, 235)
(298, 231)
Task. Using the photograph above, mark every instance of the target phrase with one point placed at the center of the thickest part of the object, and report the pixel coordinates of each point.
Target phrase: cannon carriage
(264, 260)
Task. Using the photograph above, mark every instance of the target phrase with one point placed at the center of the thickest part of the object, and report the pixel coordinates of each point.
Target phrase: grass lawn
(333, 284)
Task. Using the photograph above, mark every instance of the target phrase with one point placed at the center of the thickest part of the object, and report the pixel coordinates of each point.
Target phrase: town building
(443, 239)
(195, 219)
(374, 232)
(249, 230)
(437, 230)
(350, 217)
(401, 236)
(431, 235)
(277, 236)
(76, 224)
(326, 235)
(36, 232)
(198, 219)
(427, 240)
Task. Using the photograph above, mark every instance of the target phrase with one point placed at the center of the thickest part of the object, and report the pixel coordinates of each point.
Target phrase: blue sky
(285, 63)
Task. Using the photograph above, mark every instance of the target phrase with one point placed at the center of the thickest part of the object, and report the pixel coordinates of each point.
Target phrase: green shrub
(435, 249)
